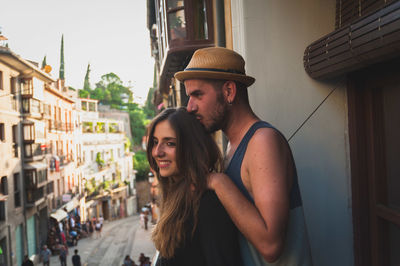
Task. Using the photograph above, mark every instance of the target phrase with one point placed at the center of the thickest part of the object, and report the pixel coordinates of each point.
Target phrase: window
(30, 178)
(41, 176)
(87, 127)
(17, 190)
(12, 85)
(29, 132)
(25, 106)
(4, 186)
(176, 19)
(2, 217)
(92, 107)
(100, 127)
(84, 106)
(92, 155)
(2, 133)
(27, 87)
(1, 80)
(15, 140)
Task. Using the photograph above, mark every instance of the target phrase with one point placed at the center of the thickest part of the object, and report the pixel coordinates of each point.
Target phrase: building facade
(23, 85)
(107, 163)
(326, 76)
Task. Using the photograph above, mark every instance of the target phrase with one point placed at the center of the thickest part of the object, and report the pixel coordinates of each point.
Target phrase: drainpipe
(219, 19)
(220, 23)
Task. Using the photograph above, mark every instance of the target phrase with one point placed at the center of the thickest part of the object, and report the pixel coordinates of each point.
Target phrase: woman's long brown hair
(196, 155)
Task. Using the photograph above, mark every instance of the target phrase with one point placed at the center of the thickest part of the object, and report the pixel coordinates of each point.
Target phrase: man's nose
(191, 106)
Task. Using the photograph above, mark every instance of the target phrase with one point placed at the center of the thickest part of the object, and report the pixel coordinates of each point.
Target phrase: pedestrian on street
(128, 261)
(27, 261)
(146, 220)
(193, 229)
(63, 256)
(76, 259)
(98, 228)
(261, 168)
(141, 259)
(45, 254)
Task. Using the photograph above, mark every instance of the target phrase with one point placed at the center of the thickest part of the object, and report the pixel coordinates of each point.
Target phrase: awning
(3, 197)
(59, 215)
(35, 165)
(370, 39)
(90, 204)
(72, 204)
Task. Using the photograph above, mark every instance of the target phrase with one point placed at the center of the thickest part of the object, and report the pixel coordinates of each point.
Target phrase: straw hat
(216, 63)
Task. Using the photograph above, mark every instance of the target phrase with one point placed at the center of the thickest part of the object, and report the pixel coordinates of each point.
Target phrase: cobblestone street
(119, 238)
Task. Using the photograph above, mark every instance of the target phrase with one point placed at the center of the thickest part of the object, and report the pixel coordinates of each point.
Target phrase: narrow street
(119, 238)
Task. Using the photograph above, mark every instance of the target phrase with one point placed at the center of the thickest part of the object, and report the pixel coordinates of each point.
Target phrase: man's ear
(229, 91)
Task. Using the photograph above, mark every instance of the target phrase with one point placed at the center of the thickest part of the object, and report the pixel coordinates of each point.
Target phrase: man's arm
(266, 174)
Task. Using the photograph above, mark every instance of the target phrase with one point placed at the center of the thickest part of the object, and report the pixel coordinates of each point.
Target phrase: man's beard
(219, 116)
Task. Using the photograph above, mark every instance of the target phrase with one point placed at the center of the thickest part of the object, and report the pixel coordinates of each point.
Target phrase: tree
(141, 165)
(44, 63)
(86, 83)
(62, 74)
(84, 94)
(111, 91)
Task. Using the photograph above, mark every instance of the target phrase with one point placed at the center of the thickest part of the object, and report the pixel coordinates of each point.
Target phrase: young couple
(202, 207)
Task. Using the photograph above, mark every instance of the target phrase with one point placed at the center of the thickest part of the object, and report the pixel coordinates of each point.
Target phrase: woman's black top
(215, 240)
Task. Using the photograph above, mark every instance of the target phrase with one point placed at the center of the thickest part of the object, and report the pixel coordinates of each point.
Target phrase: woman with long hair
(194, 228)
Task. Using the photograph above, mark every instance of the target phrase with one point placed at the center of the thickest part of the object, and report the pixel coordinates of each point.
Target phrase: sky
(111, 35)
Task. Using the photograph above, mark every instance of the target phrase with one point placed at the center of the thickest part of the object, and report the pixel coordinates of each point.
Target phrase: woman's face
(164, 149)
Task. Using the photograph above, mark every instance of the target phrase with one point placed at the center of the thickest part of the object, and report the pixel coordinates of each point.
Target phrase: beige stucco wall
(272, 36)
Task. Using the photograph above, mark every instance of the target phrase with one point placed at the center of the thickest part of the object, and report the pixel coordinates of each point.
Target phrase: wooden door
(374, 130)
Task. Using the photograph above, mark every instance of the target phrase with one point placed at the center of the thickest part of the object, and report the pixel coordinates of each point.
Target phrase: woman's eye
(171, 144)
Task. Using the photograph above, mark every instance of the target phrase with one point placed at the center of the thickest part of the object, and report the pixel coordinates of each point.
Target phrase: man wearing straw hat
(260, 191)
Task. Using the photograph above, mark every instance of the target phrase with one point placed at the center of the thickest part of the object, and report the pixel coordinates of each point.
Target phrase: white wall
(272, 36)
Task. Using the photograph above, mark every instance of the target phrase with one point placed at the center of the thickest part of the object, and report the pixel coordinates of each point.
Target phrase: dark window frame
(2, 132)
(1, 81)
(17, 190)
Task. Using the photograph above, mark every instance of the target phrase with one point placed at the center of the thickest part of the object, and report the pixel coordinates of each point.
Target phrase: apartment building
(107, 162)
(60, 127)
(24, 168)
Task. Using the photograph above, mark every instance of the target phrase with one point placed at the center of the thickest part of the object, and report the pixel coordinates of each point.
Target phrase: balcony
(35, 196)
(27, 88)
(32, 107)
(35, 175)
(60, 126)
(177, 29)
(34, 151)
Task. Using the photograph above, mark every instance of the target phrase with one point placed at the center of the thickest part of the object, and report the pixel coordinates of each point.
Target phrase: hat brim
(200, 74)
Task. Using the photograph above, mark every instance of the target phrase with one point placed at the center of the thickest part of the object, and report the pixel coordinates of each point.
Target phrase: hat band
(232, 71)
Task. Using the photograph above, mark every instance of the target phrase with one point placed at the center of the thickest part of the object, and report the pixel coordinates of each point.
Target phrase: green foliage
(127, 144)
(99, 160)
(138, 122)
(62, 66)
(86, 83)
(141, 165)
(111, 91)
(90, 186)
(44, 63)
(83, 94)
(100, 127)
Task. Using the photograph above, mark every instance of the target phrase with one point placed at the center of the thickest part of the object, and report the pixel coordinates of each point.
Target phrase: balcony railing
(33, 149)
(60, 126)
(34, 195)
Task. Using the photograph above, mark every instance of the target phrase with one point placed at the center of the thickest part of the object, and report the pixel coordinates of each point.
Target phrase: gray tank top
(297, 249)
